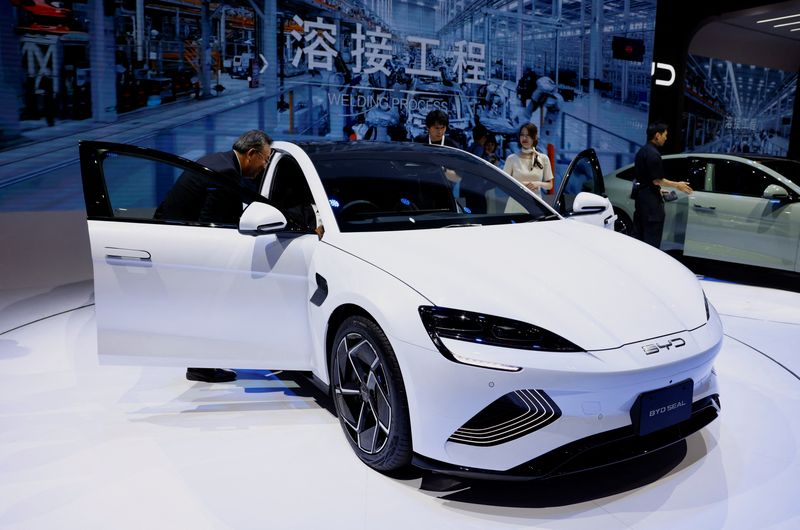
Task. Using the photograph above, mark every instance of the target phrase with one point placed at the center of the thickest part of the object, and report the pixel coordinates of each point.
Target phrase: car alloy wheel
(369, 395)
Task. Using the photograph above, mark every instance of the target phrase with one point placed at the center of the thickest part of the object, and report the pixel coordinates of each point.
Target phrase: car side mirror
(587, 203)
(774, 192)
(594, 210)
(260, 218)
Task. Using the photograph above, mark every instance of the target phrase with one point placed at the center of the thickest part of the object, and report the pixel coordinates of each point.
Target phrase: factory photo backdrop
(365, 70)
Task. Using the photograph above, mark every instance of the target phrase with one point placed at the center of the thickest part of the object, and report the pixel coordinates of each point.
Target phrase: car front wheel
(369, 395)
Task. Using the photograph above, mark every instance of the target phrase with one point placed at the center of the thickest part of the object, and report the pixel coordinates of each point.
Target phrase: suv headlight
(708, 311)
(441, 322)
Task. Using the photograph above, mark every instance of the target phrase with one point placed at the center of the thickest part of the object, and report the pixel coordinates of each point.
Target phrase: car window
(787, 168)
(696, 173)
(676, 168)
(290, 193)
(142, 188)
(581, 178)
(407, 192)
(735, 178)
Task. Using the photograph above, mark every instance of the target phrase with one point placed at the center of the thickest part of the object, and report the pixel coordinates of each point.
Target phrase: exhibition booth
(417, 339)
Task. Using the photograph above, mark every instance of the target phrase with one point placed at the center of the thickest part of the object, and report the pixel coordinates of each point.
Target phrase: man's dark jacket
(196, 198)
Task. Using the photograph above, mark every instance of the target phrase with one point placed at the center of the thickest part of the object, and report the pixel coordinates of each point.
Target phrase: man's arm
(660, 179)
(680, 186)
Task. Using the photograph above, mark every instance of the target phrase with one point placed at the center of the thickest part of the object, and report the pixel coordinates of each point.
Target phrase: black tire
(623, 224)
(369, 395)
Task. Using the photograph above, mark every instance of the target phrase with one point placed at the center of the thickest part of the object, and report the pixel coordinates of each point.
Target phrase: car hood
(592, 286)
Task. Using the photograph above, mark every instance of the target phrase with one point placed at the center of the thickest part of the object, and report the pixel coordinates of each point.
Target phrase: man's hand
(680, 186)
(684, 187)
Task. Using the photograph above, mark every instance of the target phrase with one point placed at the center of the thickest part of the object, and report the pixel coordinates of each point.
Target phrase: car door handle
(128, 254)
(701, 207)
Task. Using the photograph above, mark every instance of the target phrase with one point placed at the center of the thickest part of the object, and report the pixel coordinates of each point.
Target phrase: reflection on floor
(84, 446)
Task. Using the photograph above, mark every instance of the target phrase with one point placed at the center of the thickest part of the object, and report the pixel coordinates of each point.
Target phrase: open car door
(581, 194)
(173, 289)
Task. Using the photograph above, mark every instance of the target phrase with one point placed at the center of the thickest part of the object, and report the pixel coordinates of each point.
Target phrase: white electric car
(745, 208)
(460, 323)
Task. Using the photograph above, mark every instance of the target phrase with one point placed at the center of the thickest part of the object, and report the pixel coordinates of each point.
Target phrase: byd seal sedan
(460, 323)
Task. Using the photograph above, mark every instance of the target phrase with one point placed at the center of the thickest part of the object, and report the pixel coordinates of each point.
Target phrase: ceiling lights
(776, 19)
(779, 23)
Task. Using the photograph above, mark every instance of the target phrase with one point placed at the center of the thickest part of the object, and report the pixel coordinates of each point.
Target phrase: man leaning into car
(648, 218)
(194, 198)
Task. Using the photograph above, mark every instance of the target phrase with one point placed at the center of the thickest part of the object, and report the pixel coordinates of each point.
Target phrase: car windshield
(788, 168)
(437, 188)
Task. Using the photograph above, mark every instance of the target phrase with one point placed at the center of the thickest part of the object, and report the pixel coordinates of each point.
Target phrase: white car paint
(190, 295)
(733, 227)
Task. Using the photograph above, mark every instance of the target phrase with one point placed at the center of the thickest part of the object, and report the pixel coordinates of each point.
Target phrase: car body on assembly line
(460, 323)
(745, 208)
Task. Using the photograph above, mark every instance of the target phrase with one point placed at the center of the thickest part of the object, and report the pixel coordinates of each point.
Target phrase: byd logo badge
(650, 349)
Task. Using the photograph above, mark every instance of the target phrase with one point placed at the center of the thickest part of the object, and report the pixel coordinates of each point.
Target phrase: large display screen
(737, 108)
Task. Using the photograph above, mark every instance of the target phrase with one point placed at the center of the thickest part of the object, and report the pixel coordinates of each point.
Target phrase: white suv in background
(744, 209)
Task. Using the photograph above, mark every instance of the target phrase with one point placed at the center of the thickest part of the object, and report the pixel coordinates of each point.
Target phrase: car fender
(350, 280)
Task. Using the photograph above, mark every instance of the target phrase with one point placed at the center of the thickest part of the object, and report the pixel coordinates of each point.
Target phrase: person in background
(529, 166)
(479, 136)
(648, 217)
(195, 198)
(490, 150)
(436, 123)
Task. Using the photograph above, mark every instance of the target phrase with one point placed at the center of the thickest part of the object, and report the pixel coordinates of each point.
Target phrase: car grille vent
(507, 418)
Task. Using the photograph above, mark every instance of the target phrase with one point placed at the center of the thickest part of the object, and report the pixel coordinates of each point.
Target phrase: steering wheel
(359, 206)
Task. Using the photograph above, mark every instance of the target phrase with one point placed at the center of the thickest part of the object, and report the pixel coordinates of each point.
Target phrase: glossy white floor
(84, 446)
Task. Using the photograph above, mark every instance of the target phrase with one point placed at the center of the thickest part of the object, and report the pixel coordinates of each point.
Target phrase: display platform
(85, 446)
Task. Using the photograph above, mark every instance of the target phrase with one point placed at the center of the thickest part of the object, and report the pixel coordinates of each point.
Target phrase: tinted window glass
(787, 168)
(581, 178)
(290, 193)
(136, 186)
(403, 191)
(144, 189)
(696, 175)
(735, 178)
(676, 168)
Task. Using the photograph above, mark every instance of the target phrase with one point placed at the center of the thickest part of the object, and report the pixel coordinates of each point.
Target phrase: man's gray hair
(254, 139)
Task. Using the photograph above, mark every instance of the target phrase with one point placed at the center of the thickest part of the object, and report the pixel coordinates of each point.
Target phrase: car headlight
(705, 301)
(441, 322)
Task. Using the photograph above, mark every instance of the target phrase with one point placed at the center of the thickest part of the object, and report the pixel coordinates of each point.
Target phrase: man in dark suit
(436, 122)
(197, 198)
(649, 215)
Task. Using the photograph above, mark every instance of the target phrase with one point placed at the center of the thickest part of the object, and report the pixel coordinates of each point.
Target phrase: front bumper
(593, 393)
(594, 451)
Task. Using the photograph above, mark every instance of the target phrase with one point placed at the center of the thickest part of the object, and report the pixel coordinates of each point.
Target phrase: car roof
(755, 157)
